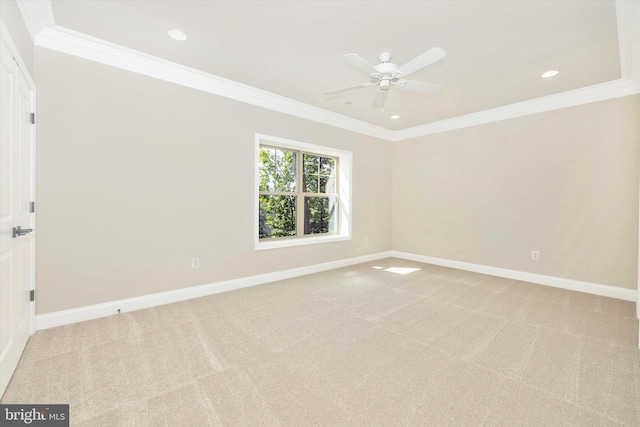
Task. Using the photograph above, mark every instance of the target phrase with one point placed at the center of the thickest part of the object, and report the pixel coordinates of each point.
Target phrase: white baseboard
(66, 317)
(573, 285)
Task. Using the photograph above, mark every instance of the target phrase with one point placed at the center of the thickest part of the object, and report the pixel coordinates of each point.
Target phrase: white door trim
(6, 37)
(24, 85)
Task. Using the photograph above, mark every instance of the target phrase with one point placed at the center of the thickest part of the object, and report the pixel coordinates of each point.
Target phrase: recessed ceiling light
(177, 35)
(551, 73)
(395, 117)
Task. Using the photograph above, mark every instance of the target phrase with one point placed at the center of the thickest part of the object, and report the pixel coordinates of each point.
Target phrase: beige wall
(12, 19)
(136, 176)
(563, 182)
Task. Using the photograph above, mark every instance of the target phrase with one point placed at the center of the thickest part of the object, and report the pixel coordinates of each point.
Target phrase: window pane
(311, 184)
(277, 170)
(319, 174)
(310, 173)
(319, 215)
(277, 216)
(327, 165)
(327, 184)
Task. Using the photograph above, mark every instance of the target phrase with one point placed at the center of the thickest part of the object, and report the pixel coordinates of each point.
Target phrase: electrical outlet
(195, 262)
(535, 255)
(366, 241)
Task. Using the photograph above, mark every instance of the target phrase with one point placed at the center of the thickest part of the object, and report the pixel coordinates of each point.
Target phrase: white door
(17, 250)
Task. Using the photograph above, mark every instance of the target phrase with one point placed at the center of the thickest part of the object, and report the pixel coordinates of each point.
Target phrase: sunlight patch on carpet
(402, 270)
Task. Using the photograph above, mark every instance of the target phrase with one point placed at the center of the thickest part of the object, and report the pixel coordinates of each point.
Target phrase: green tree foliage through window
(277, 170)
(319, 178)
(283, 203)
(277, 175)
(319, 215)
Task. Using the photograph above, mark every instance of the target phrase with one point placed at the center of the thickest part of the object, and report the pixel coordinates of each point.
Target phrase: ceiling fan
(387, 74)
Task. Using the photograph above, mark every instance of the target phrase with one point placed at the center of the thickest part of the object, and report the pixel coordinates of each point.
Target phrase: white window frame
(343, 191)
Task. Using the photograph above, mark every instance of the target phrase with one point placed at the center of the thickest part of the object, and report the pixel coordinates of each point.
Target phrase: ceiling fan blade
(429, 57)
(347, 89)
(379, 99)
(358, 62)
(419, 86)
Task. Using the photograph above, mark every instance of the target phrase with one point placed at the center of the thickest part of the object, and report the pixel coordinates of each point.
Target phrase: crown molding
(37, 15)
(599, 92)
(628, 22)
(628, 18)
(84, 46)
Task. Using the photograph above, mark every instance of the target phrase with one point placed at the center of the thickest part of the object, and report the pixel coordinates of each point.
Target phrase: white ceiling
(496, 50)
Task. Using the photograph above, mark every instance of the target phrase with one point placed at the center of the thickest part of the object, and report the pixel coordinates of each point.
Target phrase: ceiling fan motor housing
(386, 73)
(387, 68)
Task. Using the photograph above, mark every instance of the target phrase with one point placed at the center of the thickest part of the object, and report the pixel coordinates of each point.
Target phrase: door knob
(19, 231)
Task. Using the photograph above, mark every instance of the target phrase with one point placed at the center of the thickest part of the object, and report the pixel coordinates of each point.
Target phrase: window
(302, 194)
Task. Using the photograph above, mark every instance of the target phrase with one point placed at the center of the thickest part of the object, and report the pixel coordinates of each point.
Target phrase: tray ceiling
(496, 50)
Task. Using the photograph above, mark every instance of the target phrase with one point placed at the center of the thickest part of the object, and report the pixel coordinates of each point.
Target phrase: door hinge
(32, 118)
(32, 295)
(32, 207)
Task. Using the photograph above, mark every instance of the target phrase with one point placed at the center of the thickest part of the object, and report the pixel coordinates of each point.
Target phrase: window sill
(287, 243)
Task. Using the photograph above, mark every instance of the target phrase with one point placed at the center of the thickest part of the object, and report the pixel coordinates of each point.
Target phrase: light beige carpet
(358, 346)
